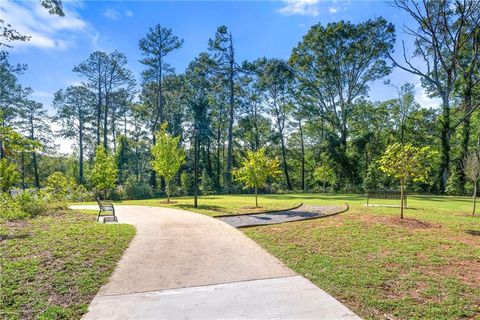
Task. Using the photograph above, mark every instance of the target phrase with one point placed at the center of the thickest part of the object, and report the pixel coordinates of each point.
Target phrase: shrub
(10, 209)
(186, 183)
(454, 186)
(8, 175)
(27, 204)
(60, 187)
(137, 189)
(206, 184)
(81, 194)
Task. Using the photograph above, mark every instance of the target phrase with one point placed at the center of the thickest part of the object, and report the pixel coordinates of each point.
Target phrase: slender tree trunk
(302, 148)
(256, 197)
(114, 131)
(219, 161)
(2, 152)
(35, 169)
(23, 171)
(474, 196)
(34, 154)
(228, 173)
(255, 124)
(80, 144)
(467, 99)
(105, 122)
(153, 174)
(99, 111)
(284, 160)
(195, 170)
(445, 143)
(401, 198)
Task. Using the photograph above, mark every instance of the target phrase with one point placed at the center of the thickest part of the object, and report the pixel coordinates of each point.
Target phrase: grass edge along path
(51, 266)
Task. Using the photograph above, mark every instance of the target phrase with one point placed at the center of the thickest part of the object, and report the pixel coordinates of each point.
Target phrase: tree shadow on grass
(473, 232)
(202, 207)
(14, 236)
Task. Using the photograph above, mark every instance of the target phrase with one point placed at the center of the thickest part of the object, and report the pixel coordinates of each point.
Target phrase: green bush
(81, 194)
(10, 209)
(186, 183)
(137, 189)
(206, 184)
(59, 186)
(27, 204)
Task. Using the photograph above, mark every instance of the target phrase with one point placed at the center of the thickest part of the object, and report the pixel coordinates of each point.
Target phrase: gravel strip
(302, 213)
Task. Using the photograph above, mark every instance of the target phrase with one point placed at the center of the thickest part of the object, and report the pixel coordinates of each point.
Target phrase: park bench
(386, 195)
(106, 207)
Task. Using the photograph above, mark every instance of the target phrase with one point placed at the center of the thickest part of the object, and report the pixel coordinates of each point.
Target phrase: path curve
(183, 265)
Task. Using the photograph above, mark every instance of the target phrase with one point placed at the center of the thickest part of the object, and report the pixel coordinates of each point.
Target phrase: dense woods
(312, 111)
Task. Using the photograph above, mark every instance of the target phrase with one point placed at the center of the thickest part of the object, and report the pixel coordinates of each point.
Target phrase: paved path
(303, 212)
(183, 265)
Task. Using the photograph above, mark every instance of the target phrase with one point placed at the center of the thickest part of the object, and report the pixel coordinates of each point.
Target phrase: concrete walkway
(183, 265)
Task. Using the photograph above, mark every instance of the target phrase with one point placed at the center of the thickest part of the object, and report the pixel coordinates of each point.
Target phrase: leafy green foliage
(168, 157)
(325, 174)
(137, 189)
(406, 163)
(256, 168)
(60, 186)
(9, 175)
(104, 171)
(185, 183)
(206, 183)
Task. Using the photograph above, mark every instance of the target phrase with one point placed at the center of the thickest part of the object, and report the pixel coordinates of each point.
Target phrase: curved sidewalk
(183, 265)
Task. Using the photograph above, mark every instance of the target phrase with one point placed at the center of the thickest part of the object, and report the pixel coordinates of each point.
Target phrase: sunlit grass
(51, 266)
(427, 267)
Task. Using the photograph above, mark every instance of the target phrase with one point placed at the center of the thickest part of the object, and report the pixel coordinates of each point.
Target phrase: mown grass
(426, 267)
(51, 266)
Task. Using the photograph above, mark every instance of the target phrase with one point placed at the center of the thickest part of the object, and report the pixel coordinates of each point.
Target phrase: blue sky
(260, 28)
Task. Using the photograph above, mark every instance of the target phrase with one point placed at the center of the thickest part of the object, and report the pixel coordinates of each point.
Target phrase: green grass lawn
(426, 267)
(51, 266)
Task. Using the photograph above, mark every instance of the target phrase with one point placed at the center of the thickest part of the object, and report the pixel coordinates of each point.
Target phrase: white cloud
(333, 10)
(46, 31)
(424, 100)
(111, 14)
(128, 13)
(300, 7)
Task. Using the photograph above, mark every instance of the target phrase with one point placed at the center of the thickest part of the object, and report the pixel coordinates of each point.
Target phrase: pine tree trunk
(105, 122)
(35, 170)
(80, 144)
(228, 173)
(302, 148)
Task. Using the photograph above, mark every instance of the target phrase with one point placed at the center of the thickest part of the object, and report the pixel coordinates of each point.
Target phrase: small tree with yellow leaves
(256, 169)
(168, 157)
(406, 163)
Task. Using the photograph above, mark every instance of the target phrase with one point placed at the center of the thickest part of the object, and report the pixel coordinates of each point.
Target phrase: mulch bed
(304, 212)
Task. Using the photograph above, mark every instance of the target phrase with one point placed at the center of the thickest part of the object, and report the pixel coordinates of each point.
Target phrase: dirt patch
(409, 223)
(467, 271)
(412, 223)
(168, 202)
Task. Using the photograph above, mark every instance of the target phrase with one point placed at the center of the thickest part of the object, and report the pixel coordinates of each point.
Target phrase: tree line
(312, 111)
